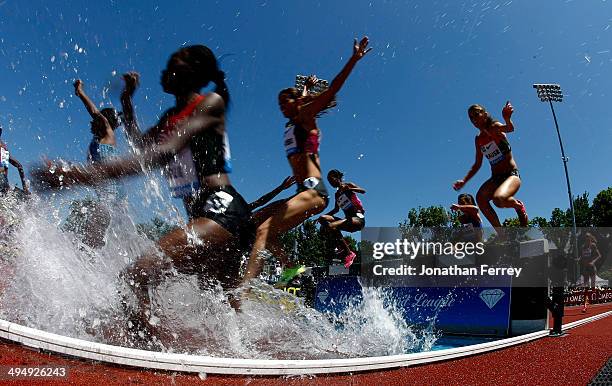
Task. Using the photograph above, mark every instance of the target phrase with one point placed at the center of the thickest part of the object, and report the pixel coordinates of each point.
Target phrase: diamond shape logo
(491, 296)
(323, 296)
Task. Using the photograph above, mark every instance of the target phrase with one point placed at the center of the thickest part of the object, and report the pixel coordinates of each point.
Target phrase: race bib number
(290, 141)
(218, 202)
(344, 202)
(4, 157)
(181, 175)
(492, 152)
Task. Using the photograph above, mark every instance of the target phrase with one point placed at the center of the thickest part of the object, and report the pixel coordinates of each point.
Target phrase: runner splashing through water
(190, 142)
(101, 149)
(347, 200)
(469, 211)
(469, 218)
(7, 159)
(505, 181)
(302, 148)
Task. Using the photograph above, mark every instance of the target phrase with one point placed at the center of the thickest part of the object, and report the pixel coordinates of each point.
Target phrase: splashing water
(52, 281)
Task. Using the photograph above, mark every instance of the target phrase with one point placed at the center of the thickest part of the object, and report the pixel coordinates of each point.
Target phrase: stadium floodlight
(552, 93)
(320, 86)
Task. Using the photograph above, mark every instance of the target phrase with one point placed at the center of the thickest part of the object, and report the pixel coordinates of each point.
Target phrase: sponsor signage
(598, 295)
(461, 310)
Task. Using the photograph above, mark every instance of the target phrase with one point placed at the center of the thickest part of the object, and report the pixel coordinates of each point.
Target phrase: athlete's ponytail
(205, 68)
(221, 88)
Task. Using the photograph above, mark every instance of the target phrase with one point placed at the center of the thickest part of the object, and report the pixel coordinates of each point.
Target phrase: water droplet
(154, 320)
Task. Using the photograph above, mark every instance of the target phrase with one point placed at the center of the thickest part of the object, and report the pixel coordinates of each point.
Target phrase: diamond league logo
(323, 296)
(491, 296)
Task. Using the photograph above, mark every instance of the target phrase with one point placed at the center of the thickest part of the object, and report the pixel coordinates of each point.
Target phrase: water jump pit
(64, 298)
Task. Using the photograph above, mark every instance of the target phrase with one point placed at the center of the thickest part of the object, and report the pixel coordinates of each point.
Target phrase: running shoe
(522, 214)
(348, 260)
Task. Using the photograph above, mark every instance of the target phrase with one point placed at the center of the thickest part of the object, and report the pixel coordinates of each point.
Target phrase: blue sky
(400, 130)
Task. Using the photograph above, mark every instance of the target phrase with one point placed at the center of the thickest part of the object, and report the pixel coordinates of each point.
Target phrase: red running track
(570, 360)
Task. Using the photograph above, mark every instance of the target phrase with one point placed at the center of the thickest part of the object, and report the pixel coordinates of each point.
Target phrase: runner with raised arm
(190, 143)
(505, 180)
(302, 136)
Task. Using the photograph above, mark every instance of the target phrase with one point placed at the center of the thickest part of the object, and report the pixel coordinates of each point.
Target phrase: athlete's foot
(522, 214)
(348, 260)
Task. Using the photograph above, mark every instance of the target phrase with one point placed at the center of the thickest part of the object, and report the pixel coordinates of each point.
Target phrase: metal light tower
(552, 93)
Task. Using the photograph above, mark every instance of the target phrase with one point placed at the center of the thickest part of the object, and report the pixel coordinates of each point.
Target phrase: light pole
(552, 93)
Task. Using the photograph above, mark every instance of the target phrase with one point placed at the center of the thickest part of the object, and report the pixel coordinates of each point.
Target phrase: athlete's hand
(132, 81)
(458, 184)
(507, 111)
(78, 87)
(359, 50)
(311, 81)
(287, 182)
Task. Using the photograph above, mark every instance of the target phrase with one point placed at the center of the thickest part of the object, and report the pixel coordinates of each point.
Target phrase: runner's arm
(507, 114)
(132, 131)
(210, 117)
(468, 209)
(261, 201)
(473, 170)
(355, 188)
(318, 103)
(597, 253)
(89, 105)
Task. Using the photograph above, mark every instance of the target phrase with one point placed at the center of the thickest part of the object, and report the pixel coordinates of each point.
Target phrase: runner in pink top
(347, 200)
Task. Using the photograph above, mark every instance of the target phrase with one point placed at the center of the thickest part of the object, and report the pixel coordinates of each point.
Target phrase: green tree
(602, 208)
(429, 223)
(582, 211)
(539, 222)
(306, 244)
(430, 217)
(512, 222)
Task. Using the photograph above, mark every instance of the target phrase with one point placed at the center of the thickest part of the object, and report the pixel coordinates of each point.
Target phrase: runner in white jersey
(7, 159)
